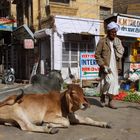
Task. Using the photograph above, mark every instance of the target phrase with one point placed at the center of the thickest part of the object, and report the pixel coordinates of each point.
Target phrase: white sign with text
(129, 27)
(89, 69)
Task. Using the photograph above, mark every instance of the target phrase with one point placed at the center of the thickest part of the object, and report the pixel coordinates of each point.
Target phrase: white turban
(113, 25)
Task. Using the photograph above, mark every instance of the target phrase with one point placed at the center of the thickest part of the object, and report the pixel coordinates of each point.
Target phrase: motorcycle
(9, 76)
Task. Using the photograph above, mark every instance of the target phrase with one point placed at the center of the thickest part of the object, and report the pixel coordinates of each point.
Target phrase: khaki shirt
(103, 53)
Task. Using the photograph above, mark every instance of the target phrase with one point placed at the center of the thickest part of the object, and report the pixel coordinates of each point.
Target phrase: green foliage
(132, 97)
(65, 85)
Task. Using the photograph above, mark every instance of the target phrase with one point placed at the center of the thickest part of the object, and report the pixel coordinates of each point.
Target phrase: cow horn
(73, 91)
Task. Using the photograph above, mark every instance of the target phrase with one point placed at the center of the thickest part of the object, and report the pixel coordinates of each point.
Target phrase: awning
(65, 24)
(23, 32)
(42, 33)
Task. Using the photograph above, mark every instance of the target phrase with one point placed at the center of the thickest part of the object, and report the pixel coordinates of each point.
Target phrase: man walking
(108, 54)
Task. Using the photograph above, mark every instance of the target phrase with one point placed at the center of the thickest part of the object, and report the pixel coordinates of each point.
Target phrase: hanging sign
(129, 27)
(89, 69)
(7, 24)
(28, 44)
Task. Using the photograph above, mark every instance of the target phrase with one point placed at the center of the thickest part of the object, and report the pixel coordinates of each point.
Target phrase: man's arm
(98, 53)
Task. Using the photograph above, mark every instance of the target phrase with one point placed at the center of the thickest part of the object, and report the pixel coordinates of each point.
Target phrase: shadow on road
(132, 107)
(96, 102)
(93, 101)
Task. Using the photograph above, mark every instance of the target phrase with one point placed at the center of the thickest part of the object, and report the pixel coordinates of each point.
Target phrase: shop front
(23, 52)
(129, 33)
(63, 44)
(6, 27)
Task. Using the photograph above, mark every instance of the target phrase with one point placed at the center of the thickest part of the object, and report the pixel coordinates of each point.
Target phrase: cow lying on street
(47, 112)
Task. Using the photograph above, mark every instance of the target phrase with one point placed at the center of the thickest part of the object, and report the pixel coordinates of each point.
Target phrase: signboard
(129, 27)
(28, 44)
(7, 24)
(134, 66)
(88, 66)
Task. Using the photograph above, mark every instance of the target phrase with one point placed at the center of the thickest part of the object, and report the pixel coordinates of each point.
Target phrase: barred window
(104, 12)
(71, 50)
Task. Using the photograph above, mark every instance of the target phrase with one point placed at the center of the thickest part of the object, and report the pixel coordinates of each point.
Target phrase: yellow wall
(77, 8)
(13, 10)
(85, 8)
(90, 8)
(133, 9)
(82, 9)
(35, 14)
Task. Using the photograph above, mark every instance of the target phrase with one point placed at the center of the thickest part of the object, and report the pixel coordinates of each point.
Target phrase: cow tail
(18, 97)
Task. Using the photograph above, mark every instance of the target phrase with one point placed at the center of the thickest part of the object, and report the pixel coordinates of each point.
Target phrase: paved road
(125, 121)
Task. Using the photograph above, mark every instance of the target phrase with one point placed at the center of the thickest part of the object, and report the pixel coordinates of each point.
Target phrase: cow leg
(53, 120)
(25, 124)
(76, 119)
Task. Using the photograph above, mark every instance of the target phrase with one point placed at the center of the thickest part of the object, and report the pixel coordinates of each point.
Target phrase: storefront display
(129, 33)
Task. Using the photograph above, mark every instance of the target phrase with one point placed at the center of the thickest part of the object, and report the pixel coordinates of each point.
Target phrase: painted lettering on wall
(88, 66)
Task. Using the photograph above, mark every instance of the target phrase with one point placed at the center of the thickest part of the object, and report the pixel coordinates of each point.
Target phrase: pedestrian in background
(108, 54)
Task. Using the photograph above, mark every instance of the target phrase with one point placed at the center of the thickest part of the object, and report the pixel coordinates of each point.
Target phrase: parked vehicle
(8, 76)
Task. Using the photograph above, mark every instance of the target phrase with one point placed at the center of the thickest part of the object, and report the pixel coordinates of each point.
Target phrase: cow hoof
(54, 130)
(109, 125)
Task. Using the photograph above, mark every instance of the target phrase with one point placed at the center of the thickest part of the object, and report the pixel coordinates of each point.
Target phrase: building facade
(54, 33)
(127, 7)
(69, 28)
(127, 14)
(129, 33)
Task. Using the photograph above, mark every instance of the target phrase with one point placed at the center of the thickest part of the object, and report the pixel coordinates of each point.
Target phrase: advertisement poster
(7, 24)
(134, 66)
(88, 66)
(128, 27)
(28, 44)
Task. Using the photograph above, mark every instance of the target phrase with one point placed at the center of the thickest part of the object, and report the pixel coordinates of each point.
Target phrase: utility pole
(39, 14)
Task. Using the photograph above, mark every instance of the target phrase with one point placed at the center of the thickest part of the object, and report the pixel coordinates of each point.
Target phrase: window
(72, 48)
(61, 1)
(104, 12)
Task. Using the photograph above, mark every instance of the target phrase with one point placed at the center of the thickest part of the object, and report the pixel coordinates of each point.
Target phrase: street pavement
(125, 125)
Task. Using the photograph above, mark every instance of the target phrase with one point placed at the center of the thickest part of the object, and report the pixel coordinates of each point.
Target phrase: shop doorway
(73, 45)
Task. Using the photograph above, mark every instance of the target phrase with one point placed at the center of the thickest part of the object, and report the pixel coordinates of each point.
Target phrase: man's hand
(106, 69)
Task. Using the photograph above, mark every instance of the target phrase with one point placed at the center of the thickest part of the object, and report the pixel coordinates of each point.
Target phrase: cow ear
(68, 102)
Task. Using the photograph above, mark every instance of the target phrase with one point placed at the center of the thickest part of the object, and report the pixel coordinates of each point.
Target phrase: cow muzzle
(84, 106)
